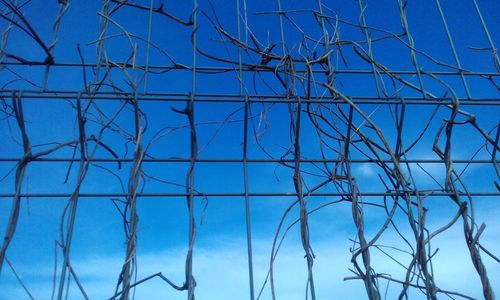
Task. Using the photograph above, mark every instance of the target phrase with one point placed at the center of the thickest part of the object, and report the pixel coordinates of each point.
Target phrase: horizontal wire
(235, 98)
(260, 68)
(252, 194)
(249, 160)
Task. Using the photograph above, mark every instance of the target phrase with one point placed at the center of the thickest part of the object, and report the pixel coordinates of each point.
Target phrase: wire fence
(384, 106)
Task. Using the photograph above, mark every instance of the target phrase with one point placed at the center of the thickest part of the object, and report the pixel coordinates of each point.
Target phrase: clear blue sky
(220, 256)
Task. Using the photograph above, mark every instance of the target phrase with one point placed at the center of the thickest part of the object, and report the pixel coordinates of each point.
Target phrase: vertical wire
(406, 28)
(358, 216)
(280, 13)
(298, 182)
(11, 226)
(331, 70)
(419, 231)
(150, 29)
(103, 26)
(283, 48)
(487, 32)
(129, 268)
(194, 153)
(63, 7)
(297, 178)
(362, 20)
(5, 35)
(245, 143)
(452, 45)
(73, 201)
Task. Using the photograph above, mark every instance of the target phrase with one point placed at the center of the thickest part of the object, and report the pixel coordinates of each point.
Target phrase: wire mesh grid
(347, 146)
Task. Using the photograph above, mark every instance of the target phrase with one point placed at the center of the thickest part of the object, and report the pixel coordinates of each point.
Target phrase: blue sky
(220, 256)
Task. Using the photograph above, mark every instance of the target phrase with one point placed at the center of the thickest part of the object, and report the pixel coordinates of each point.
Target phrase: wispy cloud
(221, 271)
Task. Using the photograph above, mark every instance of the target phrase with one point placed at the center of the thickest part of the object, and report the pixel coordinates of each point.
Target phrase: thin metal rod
(488, 36)
(452, 45)
(248, 160)
(245, 69)
(364, 29)
(190, 175)
(235, 98)
(245, 144)
(411, 43)
(252, 194)
(148, 49)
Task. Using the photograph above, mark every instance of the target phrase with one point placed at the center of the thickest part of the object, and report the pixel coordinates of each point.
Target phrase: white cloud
(221, 271)
(366, 170)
